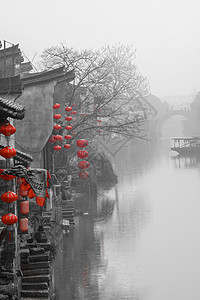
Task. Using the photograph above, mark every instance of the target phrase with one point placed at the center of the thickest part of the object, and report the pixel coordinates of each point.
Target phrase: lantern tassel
(10, 236)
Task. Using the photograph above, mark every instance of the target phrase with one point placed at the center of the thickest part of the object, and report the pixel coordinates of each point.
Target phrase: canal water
(145, 242)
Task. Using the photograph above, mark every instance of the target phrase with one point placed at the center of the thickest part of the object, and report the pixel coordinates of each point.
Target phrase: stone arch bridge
(162, 118)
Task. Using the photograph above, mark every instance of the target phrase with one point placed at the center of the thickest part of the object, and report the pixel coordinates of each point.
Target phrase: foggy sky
(165, 33)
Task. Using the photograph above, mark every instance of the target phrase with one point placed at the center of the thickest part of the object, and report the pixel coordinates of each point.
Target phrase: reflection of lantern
(6, 177)
(68, 127)
(52, 140)
(82, 143)
(84, 164)
(9, 197)
(23, 224)
(9, 219)
(57, 116)
(67, 137)
(73, 112)
(7, 129)
(8, 152)
(24, 207)
(82, 154)
(67, 146)
(57, 127)
(68, 118)
(83, 175)
(56, 106)
(58, 137)
(57, 148)
(68, 108)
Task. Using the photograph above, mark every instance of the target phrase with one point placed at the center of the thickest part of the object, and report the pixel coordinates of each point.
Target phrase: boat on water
(186, 145)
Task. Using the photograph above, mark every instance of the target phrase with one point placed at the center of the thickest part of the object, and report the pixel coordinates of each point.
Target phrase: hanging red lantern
(68, 118)
(84, 164)
(99, 121)
(73, 112)
(23, 224)
(24, 207)
(57, 116)
(7, 129)
(6, 177)
(67, 137)
(83, 175)
(57, 148)
(68, 127)
(58, 137)
(51, 139)
(9, 219)
(75, 119)
(67, 146)
(82, 143)
(8, 152)
(99, 109)
(82, 154)
(99, 130)
(57, 127)
(9, 197)
(74, 104)
(69, 108)
(22, 192)
(56, 106)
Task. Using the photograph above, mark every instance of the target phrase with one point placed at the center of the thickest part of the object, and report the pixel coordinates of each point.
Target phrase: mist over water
(145, 244)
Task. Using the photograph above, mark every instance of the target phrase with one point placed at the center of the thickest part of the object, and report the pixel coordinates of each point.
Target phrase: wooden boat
(186, 145)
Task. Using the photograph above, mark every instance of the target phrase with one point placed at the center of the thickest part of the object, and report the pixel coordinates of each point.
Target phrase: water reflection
(143, 243)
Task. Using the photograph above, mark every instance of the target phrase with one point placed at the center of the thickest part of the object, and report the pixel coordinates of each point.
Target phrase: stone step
(45, 271)
(34, 286)
(35, 265)
(33, 294)
(45, 246)
(36, 251)
(36, 278)
(37, 258)
(35, 298)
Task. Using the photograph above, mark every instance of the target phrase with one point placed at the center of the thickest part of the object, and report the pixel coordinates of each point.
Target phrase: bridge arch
(179, 112)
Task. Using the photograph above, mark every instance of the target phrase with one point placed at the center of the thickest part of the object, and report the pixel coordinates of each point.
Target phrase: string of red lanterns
(83, 164)
(57, 137)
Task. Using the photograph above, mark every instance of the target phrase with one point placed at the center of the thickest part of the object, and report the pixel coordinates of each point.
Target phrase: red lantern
(82, 154)
(7, 129)
(23, 224)
(83, 175)
(9, 219)
(57, 148)
(67, 146)
(68, 118)
(9, 197)
(67, 137)
(56, 106)
(68, 127)
(82, 143)
(74, 104)
(99, 130)
(84, 164)
(57, 127)
(68, 108)
(22, 192)
(24, 207)
(58, 137)
(57, 116)
(51, 139)
(99, 121)
(99, 109)
(6, 177)
(8, 152)
(73, 112)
